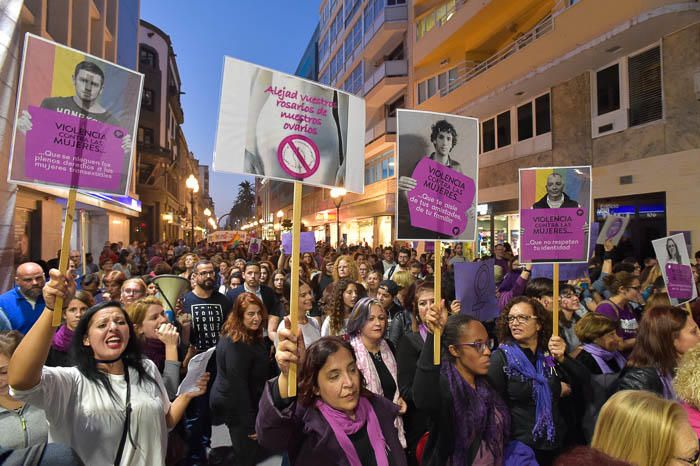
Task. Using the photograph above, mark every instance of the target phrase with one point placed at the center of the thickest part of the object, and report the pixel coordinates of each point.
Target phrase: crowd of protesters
(618, 385)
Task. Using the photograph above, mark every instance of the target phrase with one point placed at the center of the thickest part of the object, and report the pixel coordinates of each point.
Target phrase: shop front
(498, 223)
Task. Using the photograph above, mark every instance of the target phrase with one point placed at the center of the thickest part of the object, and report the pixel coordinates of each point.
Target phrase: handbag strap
(127, 419)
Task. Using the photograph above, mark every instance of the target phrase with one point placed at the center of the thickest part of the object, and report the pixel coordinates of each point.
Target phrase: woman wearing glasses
(530, 381)
(470, 423)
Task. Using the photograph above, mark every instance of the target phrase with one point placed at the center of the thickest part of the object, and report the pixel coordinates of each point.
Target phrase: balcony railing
(388, 14)
(468, 70)
(386, 126)
(386, 70)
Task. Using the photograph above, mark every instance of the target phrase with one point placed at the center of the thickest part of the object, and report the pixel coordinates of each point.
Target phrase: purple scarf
(601, 357)
(343, 426)
(154, 350)
(666, 381)
(423, 330)
(62, 338)
(517, 364)
(480, 410)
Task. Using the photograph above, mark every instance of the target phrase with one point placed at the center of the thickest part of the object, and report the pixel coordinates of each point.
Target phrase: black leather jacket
(640, 378)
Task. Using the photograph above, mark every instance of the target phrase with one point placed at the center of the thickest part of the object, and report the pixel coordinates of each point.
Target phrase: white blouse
(81, 414)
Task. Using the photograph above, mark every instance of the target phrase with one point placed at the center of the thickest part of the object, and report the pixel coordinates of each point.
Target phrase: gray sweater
(23, 428)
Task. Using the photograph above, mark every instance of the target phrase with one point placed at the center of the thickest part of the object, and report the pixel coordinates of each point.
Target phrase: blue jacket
(19, 311)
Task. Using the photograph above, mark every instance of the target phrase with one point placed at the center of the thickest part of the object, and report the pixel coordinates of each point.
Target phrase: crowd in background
(618, 385)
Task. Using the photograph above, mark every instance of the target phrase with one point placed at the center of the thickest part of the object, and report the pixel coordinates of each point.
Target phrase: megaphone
(170, 288)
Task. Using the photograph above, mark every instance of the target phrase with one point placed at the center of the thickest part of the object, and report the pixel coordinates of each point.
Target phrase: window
(525, 120)
(354, 83)
(145, 136)
(353, 40)
(441, 83)
(608, 85)
(395, 2)
(543, 123)
(503, 129)
(488, 132)
(147, 100)
(379, 168)
(422, 92)
(148, 57)
(391, 108)
(350, 8)
(644, 72)
(436, 18)
(372, 11)
(323, 48)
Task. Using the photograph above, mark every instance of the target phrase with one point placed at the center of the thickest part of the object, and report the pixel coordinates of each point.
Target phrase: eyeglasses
(521, 319)
(695, 460)
(207, 274)
(479, 346)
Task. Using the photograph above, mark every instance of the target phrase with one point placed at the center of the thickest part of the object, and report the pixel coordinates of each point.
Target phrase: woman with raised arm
(470, 423)
(333, 419)
(112, 407)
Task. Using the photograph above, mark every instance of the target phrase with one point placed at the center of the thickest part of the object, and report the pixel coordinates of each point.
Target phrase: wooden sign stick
(65, 251)
(294, 293)
(555, 307)
(437, 274)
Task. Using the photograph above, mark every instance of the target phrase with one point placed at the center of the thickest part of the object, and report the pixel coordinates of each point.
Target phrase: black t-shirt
(385, 378)
(208, 315)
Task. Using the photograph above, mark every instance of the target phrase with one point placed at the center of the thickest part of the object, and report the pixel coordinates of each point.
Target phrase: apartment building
(615, 85)
(32, 215)
(164, 160)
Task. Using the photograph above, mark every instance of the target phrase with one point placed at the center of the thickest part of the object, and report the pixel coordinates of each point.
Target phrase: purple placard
(441, 198)
(52, 157)
(308, 242)
(475, 289)
(679, 281)
(430, 246)
(569, 271)
(553, 235)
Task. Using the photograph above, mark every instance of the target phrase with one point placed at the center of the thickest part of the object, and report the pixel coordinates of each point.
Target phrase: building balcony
(570, 41)
(386, 32)
(383, 128)
(385, 82)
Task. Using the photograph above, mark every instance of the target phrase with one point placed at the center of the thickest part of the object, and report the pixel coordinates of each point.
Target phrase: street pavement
(220, 438)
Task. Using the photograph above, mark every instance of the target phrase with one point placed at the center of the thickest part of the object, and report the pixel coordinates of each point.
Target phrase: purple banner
(553, 235)
(308, 242)
(476, 290)
(75, 152)
(441, 198)
(679, 281)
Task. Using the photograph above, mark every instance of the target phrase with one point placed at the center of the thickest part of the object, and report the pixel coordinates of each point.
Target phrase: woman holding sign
(529, 380)
(334, 419)
(112, 408)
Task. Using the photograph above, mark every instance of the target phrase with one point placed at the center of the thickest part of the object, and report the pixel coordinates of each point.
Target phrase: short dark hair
(202, 262)
(697, 254)
(443, 126)
(539, 287)
(252, 264)
(314, 359)
(452, 331)
(91, 67)
(360, 314)
(405, 251)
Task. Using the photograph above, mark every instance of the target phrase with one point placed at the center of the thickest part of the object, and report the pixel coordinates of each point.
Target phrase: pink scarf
(343, 426)
(369, 371)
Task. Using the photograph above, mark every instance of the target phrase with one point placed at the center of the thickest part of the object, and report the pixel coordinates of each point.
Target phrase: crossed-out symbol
(298, 156)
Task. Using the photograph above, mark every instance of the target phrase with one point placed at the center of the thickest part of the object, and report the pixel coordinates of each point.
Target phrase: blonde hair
(137, 310)
(654, 273)
(687, 379)
(403, 278)
(638, 427)
(660, 298)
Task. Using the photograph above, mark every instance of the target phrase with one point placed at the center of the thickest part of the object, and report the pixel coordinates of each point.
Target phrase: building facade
(28, 224)
(559, 83)
(164, 160)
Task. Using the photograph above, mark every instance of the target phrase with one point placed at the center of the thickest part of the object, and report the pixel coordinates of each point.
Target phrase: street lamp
(193, 185)
(337, 194)
(207, 212)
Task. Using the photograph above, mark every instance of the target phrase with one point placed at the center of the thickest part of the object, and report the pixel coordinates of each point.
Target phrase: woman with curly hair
(687, 384)
(345, 294)
(186, 264)
(530, 381)
(345, 267)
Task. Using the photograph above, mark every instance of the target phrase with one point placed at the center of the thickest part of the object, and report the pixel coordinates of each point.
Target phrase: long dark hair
(657, 330)
(85, 358)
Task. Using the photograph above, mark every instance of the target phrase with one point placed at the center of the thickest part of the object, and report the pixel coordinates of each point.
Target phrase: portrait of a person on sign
(440, 140)
(673, 253)
(89, 83)
(556, 197)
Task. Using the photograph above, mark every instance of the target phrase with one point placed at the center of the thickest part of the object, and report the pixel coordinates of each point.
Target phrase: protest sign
(226, 236)
(674, 261)
(475, 289)
(613, 229)
(569, 271)
(437, 168)
(308, 242)
(554, 214)
(254, 246)
(76, 120)
(279, 126)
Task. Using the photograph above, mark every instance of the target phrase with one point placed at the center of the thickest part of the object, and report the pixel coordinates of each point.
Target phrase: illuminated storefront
(497, 223)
